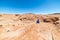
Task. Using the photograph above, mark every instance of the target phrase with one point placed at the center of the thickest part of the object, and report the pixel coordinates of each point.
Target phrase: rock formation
(29, 27)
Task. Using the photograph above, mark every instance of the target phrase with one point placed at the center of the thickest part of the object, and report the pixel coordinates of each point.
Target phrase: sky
(30, 6)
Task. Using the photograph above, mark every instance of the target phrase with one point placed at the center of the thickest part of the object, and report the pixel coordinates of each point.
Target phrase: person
(38, 21)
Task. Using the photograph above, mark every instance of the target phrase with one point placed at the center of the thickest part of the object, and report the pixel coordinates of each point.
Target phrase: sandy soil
(26, 27)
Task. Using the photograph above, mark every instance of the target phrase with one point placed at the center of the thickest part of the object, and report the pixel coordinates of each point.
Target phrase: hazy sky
(29, 6)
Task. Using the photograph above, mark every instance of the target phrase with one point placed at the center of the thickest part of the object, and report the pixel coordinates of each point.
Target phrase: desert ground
(29, 27)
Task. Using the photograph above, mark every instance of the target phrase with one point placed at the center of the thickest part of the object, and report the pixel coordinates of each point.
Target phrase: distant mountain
(56, 13)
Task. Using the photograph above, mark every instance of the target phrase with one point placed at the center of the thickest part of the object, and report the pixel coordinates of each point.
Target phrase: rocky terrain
(29, 27)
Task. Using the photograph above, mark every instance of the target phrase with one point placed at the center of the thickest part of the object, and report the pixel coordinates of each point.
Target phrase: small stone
(13, 25)
(8, 30)
(0, 25)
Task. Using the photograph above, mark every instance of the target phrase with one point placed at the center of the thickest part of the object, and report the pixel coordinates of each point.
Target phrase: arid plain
(29, 27)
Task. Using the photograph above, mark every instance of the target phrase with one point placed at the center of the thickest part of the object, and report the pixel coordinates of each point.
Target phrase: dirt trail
(29, 27)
